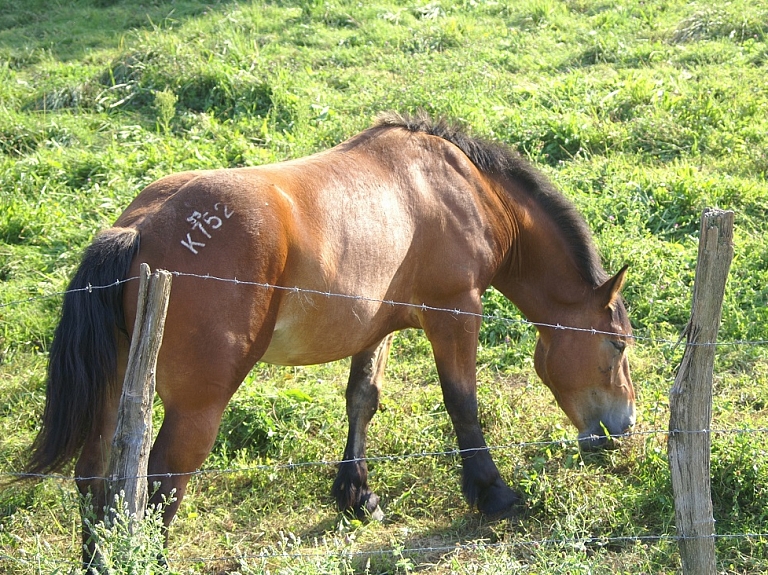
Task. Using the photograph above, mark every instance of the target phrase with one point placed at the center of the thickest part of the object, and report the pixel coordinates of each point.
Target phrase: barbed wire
(422, 307)
(383, 458)
(579, 542)
(89, 288)
(572, 541)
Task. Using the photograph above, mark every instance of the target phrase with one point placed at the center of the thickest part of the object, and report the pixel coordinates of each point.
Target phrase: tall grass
(642, 113)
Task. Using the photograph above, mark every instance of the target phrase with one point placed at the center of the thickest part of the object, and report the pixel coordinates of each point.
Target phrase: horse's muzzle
(604, 433)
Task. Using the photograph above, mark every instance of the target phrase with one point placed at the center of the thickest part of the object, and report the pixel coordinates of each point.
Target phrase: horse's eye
(619, 345)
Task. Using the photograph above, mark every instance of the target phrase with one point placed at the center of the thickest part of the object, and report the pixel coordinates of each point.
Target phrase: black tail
(83, 358)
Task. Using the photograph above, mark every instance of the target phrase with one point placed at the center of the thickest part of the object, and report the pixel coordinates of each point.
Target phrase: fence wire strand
(478, 546)
(422, 307)
(348, 554)
(290, 466)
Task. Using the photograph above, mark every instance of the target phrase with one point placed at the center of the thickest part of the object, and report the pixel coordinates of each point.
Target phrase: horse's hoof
(377, 514)
(499, 502)
(368, 508)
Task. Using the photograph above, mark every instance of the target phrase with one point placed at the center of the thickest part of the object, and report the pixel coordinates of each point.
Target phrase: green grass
(642, 113)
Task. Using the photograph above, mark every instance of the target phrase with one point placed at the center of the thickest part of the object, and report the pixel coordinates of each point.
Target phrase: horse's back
(368, 220)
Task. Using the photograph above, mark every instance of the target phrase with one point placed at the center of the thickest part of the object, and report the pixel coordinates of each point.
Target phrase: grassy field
(643, 113)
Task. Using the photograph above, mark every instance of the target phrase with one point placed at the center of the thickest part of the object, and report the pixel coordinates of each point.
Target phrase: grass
(642, 113)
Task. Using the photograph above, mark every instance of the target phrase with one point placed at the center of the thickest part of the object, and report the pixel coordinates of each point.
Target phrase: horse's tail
(83, 357)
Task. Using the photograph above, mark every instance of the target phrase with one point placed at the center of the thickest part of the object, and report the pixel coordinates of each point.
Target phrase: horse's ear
(608, 293)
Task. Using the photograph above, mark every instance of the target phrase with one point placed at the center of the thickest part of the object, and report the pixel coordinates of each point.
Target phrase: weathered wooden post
(131, 443)
(691, 398)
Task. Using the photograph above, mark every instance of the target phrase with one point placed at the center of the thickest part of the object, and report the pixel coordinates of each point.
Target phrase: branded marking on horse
(204, 223)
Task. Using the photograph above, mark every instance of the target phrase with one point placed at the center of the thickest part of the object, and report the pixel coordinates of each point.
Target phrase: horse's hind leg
(184, 441)
(91, 466)
(351, 489)
(90, 470)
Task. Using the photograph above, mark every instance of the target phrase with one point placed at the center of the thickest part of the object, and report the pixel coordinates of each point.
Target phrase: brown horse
(410, 211)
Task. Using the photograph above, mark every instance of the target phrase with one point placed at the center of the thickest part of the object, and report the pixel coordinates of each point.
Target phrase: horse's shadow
(431, 546)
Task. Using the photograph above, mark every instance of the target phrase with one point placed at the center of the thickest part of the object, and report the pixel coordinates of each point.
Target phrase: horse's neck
(539, 274)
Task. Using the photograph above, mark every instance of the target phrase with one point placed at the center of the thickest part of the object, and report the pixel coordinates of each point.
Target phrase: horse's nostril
(593, 442)
(628, 424)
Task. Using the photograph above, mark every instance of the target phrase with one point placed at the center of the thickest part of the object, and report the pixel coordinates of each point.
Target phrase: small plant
(126, 544)
(165, 106)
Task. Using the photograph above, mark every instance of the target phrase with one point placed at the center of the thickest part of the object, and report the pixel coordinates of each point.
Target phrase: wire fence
(422, 307)
(290, 466)
(349, 553)
(453, 452)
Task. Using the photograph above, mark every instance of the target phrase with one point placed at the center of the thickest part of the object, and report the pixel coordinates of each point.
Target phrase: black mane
(496, 159)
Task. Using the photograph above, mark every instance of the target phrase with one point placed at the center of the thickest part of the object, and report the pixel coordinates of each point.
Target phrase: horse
(411, 210)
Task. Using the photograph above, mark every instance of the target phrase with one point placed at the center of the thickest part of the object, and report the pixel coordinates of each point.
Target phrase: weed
(125, 543)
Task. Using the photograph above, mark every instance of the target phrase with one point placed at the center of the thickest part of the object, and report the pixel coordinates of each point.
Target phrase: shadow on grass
(466, 532)
(70, 30)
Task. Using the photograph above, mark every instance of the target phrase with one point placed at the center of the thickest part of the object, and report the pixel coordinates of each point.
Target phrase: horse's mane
(496, 159)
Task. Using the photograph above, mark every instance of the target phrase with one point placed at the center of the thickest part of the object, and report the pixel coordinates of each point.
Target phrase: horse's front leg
(351, 489)
(454, 344)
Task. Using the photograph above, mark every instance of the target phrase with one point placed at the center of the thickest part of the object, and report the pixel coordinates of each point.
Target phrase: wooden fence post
(691, 398)
(133, 435)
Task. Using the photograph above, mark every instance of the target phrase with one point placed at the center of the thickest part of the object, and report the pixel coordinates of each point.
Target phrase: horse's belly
(313, 332)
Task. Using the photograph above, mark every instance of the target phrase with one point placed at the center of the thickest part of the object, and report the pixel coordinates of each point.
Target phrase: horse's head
(588, 371)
